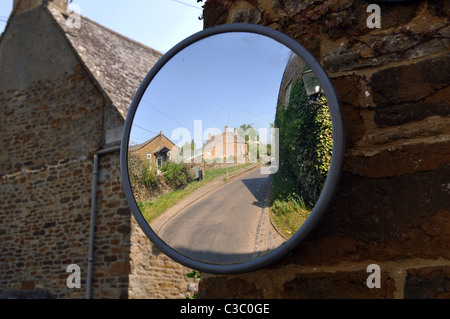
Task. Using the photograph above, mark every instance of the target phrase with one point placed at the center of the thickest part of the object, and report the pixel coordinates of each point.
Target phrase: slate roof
(118, 63)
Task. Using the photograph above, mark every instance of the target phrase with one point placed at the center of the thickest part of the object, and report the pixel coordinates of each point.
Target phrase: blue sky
(226, 80)
(159, 24)
(5, 10)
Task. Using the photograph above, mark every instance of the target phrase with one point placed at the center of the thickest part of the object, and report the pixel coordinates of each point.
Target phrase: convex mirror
(232, 148)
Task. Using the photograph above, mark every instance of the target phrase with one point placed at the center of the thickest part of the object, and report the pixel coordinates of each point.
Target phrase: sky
(159, 24)
(229, 80)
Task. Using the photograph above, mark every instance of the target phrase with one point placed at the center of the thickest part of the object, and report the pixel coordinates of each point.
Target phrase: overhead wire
(187, 4)
(169, 117)
(143, 128)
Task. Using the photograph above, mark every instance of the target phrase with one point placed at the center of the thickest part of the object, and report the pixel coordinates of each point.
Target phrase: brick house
(156, 151)
(64, 96)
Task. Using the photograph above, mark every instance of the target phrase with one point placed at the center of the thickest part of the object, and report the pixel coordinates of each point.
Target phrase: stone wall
(392, 207)
(153, 275)
(53, 116)
(46, 180)
(127, 265)
(44, 227)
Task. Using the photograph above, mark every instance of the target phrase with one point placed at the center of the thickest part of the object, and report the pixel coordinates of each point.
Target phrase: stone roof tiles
(118, 63)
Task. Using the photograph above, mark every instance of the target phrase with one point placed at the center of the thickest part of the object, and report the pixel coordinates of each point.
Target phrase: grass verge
(289, 214)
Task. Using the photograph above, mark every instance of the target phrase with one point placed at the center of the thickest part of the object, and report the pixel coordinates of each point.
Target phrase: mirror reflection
(229, 148)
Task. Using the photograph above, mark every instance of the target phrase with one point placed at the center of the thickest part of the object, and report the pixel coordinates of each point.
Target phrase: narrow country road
(223, 226)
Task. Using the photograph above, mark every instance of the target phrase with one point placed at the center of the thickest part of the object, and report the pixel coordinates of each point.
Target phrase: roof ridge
(116, 53)
(139, 146)
(120, 35)
(162, 134)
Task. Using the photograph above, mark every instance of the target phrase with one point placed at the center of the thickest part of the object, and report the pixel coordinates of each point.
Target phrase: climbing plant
(305, 141)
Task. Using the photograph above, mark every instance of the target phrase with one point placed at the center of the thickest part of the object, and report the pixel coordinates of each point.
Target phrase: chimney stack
(20, 6)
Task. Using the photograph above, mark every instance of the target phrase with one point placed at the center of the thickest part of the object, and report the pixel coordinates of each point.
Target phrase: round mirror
(232, 148)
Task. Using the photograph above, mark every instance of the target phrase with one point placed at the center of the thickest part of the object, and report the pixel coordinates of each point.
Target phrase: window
(160, 161)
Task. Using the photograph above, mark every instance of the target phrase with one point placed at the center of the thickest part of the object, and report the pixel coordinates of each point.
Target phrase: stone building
(392, 207)
(226, 147)
(65, 89)
(156, 151)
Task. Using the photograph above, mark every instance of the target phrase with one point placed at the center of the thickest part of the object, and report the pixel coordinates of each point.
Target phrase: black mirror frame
(331, 183)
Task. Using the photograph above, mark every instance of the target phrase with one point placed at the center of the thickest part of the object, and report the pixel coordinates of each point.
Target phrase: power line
(169, 117)
(187, 4)
(145, 129)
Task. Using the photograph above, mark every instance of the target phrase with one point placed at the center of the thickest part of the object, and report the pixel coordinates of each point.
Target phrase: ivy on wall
(306, 142)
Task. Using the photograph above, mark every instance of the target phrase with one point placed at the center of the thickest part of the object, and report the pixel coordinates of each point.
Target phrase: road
(228, 225)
